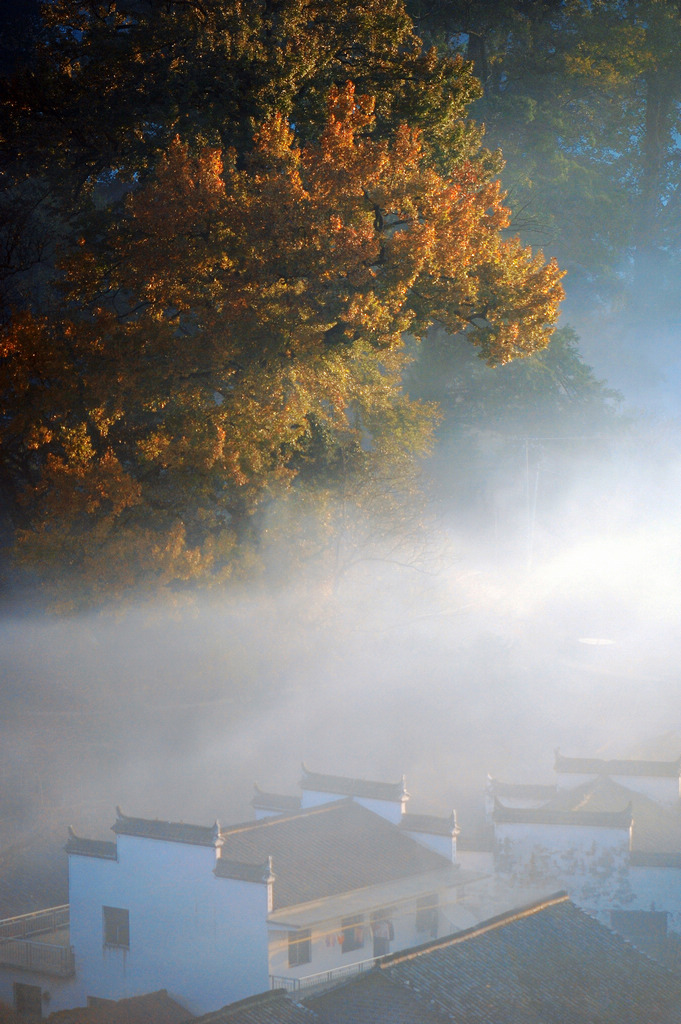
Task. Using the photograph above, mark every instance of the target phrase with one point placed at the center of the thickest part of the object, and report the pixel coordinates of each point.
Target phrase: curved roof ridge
(345, 785)
(305, 812)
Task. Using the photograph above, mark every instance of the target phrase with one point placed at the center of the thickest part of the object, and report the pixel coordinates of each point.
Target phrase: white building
(313, 887)
(609, 832)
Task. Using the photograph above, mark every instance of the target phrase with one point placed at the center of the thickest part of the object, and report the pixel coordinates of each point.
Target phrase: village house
(547, 963)
(315, 887)
(608, 831)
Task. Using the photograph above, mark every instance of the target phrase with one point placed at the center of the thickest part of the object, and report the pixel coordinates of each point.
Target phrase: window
(28, 1002)
(116, 927)
(352, 934)
(299, 948)
(427, 915)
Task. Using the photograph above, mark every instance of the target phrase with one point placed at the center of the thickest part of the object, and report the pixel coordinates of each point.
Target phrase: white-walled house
(609, 832)
(311, 888)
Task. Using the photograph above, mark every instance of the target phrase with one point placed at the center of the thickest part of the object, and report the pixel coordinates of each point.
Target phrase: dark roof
(375, 999)
(547, 816)
(152, 1008)
(274, 801)
(522, 790)
(545, 964)
(327, 850)
(430, 824)
(90, 847)
(657, 828)
(268, 1008)
(170, 831)
(243, 872)
(342, 786)
(654, 859)
(595, 766)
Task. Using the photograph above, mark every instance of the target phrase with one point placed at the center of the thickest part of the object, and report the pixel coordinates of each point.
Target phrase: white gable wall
(181, 915)
(591, 862)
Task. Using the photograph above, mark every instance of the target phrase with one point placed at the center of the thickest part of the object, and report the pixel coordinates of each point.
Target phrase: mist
(552, 621)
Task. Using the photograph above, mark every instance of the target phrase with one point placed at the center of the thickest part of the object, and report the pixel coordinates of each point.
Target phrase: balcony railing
(40, 922)
(322, 977)
(45, 957)
(21, 947)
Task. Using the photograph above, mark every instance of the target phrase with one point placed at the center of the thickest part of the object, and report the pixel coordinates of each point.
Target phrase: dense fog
(546, 623)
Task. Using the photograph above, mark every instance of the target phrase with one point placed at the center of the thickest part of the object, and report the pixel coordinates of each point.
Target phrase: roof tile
(328, 850)
(342, 786)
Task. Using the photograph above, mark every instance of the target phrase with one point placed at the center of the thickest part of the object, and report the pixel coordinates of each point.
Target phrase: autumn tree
(231, 325)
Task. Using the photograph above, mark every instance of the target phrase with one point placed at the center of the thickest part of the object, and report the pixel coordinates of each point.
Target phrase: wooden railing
(322, 977)
(19, 946)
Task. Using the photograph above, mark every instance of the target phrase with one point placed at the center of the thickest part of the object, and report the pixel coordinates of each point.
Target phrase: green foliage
(552, 391)
(584, 99)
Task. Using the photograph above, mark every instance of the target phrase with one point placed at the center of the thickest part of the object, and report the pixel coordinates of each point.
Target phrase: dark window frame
(427, 914)
(299, 947)
(352, 931)
(116, 927)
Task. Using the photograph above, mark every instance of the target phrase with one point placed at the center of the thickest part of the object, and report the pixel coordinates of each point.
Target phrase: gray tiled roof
(549, 816)
(328, 850)
(595, 766)
(90, 847)
(374, 1000)
(242, 872)
(151, 1008)
(170, 831)
(274, 801)
(654, 859)
(268, 1008)
(545, 964)
(430, 824)
(656, 828)
(342, 786)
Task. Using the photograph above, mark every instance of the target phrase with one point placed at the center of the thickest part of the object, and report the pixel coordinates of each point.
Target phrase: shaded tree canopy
(241, 239)
(585, 100)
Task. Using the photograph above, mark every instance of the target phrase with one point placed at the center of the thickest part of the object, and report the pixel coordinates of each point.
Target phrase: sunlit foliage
(231, 322)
